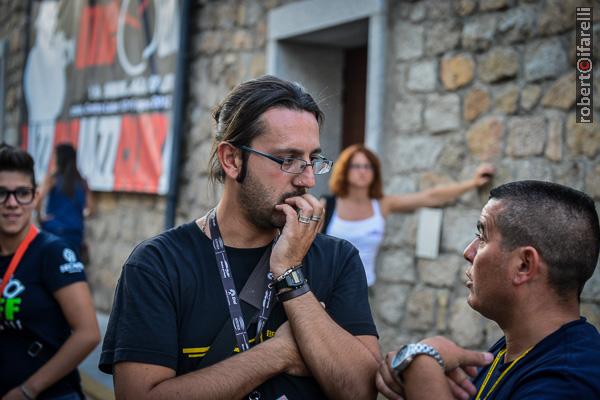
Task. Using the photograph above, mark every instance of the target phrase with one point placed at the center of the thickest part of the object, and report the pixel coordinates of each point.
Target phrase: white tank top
(365, 234)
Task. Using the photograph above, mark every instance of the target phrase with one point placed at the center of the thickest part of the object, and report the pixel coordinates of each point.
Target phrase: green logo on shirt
(8, 307)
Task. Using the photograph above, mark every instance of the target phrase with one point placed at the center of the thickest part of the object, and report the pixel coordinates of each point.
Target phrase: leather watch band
(292, 294)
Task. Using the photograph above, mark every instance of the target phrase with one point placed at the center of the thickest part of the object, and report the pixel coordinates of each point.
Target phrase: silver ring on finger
(316, 218)
(303, 219)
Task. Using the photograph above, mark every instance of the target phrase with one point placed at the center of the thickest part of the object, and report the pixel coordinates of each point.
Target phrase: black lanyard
(233, 300)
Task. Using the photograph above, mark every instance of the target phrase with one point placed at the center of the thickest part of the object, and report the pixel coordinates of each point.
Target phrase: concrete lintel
(312, 15)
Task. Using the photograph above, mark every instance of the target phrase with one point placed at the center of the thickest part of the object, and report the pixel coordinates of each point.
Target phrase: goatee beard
(257, 207)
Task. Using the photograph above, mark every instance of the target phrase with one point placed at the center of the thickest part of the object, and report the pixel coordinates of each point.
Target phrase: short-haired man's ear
(230, 159)
(529, 265)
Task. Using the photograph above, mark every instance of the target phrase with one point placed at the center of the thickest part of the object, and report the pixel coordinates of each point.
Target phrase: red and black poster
(101, 75)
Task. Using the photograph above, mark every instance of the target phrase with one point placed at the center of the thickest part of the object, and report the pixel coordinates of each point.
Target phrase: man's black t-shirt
(29, 312)
(170, 306)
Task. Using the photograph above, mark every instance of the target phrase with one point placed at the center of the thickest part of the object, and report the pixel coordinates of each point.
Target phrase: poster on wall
(100, 74)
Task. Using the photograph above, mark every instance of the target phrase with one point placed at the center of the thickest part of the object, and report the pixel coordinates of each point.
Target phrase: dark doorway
(354, 97)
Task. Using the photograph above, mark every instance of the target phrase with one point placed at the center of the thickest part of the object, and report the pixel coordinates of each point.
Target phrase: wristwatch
(292, 279)
(408, 352)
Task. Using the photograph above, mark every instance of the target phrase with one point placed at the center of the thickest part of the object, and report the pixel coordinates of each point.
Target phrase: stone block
(526, 136)
(409, 41)
(242, 40)
(395, 266)
(442, 113)
(507, 100)
(249, 13)
(410, 153)
(554, 146)
(558, 15)
(570, 173)
(478, 33)
(457, 71)
(466, 325)
(492, 333)
(485, 138)
(465, 7)
(453, 154)
(530, 96)
(422, 76)
(260, 36)
(544, 59)
(211, 42)
(499, 63)
(597, 90)
(208, 17)
(477, 102)
(441, 317)
(225, 14)
(592, 182)
(583, 138)
(517, 24)
(441, 272)
(531, 168)
(439, 10)
(442, 37)
(420, 309)
(390, 302)
(408, 115)
(591, 290)
(400, 230)
(418, 13)
(257, 65)
(492, 5)
(561, 94)
(431, 179)
(458, 229)
(591, 312)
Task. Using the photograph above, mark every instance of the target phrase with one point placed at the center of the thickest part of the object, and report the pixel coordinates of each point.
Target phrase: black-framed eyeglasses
(291, 165)
(23, 195)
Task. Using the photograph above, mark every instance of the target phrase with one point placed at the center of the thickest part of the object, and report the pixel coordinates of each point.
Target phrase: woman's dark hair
(238, 117)
(338, 184)
(13, 159)
(66, 168)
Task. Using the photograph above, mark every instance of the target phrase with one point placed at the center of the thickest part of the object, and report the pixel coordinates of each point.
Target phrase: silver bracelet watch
(408, 352)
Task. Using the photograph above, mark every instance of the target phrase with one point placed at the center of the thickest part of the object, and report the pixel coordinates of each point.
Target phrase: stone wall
(12, 30)
(228, 46)
(121, 221)
(474, 81)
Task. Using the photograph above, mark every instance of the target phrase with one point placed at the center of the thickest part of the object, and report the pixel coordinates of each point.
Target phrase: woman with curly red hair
(358, 208)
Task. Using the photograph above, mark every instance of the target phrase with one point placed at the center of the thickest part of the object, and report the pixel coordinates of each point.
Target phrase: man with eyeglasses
(248, 301)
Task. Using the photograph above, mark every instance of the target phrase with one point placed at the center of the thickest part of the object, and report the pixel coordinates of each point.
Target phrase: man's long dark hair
(238, 117)
(66, 168)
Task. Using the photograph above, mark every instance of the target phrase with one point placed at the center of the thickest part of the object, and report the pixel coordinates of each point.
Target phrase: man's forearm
(425, 380)
(231, 378)
(341, 363)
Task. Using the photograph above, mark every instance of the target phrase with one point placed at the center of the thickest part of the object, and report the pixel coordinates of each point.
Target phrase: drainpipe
(178, 113)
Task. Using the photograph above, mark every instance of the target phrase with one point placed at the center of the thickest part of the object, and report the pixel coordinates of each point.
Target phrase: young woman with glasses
(358, 208)
(47, 318)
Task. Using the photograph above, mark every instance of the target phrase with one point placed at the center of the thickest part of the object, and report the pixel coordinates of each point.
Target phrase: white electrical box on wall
(429, 230)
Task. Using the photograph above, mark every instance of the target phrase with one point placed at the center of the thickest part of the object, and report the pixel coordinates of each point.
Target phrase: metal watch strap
(422, 348)
(410, 351)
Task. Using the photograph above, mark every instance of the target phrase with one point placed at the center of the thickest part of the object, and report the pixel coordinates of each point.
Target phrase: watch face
(400, 356)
